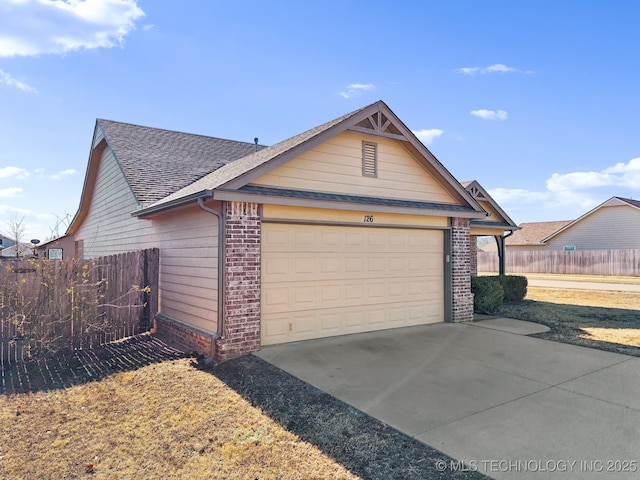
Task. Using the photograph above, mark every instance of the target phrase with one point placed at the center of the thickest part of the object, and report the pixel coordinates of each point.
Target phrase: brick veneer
(461, 270)
(241, 331)
(473, 255)
(183, 336)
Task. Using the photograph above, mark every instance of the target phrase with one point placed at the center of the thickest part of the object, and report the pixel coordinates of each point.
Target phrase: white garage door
(324, 280)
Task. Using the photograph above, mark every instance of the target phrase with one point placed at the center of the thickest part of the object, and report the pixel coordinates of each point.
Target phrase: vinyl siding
(336, 166)
(608, 228)
(187, 240)
(278, 212)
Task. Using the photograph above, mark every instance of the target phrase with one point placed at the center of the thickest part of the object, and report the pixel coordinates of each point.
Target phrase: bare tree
(16, 232)
(61, 223)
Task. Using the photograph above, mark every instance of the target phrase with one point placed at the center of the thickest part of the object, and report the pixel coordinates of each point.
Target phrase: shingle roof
(158, 162)
(635, 203)
(535, 232)
(233, 170)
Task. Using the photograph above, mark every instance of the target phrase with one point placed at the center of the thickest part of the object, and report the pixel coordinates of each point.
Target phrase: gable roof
(154, 161)
(478, 192)
(158, 162)
(612, 202)
(535, 232)
(375, 119)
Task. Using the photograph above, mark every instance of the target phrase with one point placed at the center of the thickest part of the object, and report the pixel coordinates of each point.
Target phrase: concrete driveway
(504, 403)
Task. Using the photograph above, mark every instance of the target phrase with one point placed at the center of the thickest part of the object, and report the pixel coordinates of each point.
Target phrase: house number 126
(368, 219)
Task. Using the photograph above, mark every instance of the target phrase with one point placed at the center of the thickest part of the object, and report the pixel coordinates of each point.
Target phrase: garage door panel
(331, 280)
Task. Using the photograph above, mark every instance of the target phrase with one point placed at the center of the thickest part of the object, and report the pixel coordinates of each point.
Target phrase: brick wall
(182, 336)
(473, 255)
(241, 331)
(461, 270)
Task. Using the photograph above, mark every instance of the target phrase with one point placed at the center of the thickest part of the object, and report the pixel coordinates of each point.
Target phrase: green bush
(514, 286)
(488, 294)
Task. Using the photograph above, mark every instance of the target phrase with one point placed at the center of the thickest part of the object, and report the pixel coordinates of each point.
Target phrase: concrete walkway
(509, 405)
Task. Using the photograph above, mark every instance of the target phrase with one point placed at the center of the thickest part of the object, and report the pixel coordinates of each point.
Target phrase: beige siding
(336, 166)
(279, 212)
(187, 240)
(608, 228)
(495, 215)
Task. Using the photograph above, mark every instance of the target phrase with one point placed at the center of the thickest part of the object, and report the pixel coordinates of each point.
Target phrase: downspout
(221, 255)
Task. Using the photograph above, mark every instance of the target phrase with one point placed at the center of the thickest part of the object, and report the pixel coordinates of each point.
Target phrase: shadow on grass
(362, 444)
(567, 321)
(83, 366)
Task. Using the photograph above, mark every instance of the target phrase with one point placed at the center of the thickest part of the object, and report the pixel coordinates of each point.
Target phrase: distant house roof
(535, 232)
(158, 162)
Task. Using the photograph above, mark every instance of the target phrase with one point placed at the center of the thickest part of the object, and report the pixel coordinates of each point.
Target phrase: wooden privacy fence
(579, 262)
(48, 306)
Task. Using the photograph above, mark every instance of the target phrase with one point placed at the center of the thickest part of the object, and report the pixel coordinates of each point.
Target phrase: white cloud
(620, 175)
(55, 176)
(10, 192)
(427, 136)
(574, 193)
(356, 89)
(17, 172)
(8, 80)
(490, 114)
(495, 68)
(34, 27)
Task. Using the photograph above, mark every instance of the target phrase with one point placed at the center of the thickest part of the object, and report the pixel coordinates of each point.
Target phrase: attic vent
(369, 159)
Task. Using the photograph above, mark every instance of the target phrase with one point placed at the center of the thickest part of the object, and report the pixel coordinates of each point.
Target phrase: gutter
(176, 203)
(221, 256)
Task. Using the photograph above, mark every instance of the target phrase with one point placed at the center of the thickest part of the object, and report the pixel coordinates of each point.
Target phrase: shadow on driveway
(83, 366)
(364, 445)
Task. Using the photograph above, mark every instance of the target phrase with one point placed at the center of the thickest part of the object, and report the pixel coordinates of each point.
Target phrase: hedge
(491, 291)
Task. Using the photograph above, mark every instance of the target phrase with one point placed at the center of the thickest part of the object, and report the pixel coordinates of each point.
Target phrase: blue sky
(537, 100)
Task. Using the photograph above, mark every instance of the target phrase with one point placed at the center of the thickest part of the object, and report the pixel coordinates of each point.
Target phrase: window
(369, 159)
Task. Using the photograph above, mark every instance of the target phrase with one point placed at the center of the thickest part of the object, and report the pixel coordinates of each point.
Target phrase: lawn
(167, 421)
(140, 410)
(606, 320)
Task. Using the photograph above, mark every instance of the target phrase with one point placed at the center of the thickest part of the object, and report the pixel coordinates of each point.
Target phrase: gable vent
(369, 159)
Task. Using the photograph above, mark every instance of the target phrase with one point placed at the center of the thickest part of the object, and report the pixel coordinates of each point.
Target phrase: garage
(321, 280)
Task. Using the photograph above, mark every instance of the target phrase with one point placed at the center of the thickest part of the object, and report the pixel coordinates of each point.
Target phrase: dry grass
(605, 320)
(622, 336)
(585, 278)
(167, 420)
(587, 298)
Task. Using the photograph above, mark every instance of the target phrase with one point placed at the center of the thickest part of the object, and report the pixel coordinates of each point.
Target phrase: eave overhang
(303, 198)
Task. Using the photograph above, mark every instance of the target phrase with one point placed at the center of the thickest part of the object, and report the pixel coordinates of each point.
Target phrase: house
(612, 225)
(351, 226)
(17, 250)
(61, 248)
(530, 235)
(5, 242)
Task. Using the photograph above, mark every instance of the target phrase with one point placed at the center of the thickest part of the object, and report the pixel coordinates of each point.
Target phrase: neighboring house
(529, 236)
(612, 225)
(5, 242)
(496, 224)
(21, 249)
(351, 226)
(61, 248)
